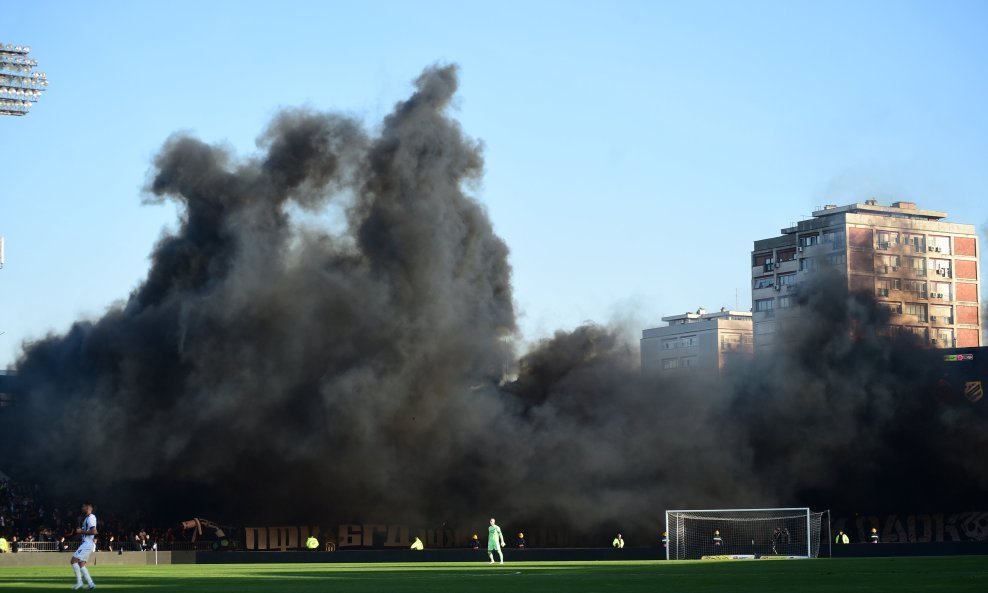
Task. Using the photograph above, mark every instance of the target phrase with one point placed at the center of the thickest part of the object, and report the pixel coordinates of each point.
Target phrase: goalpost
(743, 533)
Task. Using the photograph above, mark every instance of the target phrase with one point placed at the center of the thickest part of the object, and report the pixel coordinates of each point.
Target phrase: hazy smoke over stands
(269, 368)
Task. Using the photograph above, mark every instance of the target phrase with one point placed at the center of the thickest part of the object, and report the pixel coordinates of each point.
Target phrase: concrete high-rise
(923, 268)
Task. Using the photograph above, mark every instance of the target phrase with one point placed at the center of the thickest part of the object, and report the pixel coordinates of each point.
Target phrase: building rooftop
(872, 207)
(702, 315)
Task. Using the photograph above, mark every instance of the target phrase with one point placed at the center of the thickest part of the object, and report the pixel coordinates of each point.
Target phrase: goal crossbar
(801, 509)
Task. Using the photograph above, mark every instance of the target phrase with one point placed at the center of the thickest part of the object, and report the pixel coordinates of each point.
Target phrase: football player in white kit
(88, 546)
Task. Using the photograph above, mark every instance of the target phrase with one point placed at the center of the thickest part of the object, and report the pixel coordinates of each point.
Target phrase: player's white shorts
(84, 551)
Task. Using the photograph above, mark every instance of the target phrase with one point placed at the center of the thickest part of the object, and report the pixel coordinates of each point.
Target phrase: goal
(743, 533)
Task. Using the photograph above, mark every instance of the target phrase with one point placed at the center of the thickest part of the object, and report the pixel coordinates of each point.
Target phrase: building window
(687, 341)
(921, 332)
(893, 308)
(806, 264)
(765, 282)
(763, 305)
(887, 263)
(837, 259)
(809, 240)
(836, 239)
(915, 264)
(941, 267)
(787, 255)
(936, 244)
(942, 314)
(669, 344)
(943, 337)
(917, 310)
(761, 259)
(941, 290)
(916, 287)
(670, 363)
(687, 362)
(730, 342)
(883, 286)
(785, 302)
(918, 242)
(787, 279)
(886, 239)
(891, 330)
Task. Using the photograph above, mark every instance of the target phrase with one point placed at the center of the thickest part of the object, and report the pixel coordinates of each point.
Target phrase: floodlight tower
(20, 85)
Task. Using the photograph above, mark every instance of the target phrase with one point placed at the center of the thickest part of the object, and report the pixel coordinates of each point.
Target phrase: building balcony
(790, 265)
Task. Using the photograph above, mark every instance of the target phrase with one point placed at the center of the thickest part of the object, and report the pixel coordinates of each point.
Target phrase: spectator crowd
(28, 521)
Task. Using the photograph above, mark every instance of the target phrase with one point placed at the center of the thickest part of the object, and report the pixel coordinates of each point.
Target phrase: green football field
(949, 574)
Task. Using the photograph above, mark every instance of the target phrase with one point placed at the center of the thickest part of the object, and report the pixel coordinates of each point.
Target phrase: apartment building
(697, 341)
(923, 268)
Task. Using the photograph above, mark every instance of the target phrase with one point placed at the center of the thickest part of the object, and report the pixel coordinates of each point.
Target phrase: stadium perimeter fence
(202, 546)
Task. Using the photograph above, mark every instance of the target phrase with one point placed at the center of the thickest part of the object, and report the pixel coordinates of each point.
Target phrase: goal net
(743, 533)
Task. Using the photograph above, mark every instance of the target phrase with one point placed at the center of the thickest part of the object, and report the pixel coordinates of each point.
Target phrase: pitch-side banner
(387, 535)
(917, 527)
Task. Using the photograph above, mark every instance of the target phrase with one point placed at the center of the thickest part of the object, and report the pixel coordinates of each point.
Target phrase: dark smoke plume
(269, 369)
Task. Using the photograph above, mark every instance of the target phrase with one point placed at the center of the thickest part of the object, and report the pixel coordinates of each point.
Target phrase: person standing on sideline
(81, 557)
(495, 541)
(618, 542)
(874, 535)
(842, 538)
(311, 543)
(718, 540)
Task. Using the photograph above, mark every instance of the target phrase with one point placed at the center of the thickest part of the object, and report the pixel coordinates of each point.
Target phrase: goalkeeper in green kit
(495, 541)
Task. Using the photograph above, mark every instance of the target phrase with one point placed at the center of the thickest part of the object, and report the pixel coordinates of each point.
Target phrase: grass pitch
(950, 574)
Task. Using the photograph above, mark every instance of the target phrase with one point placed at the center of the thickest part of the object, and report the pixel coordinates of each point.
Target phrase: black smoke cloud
(267, 368)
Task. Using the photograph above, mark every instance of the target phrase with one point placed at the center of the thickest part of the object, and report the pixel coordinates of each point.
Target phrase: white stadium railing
(37, 546)
(201, 546)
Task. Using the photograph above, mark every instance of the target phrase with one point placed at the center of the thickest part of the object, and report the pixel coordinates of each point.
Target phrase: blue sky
(634, 150)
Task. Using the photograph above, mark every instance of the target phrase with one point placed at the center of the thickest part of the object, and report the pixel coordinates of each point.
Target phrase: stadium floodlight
(741, 534)
(20, 85)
